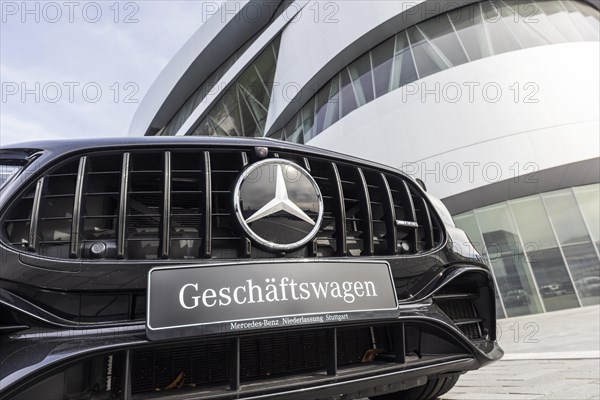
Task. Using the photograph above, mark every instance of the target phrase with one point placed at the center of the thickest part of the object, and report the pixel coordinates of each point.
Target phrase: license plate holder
(199, 300)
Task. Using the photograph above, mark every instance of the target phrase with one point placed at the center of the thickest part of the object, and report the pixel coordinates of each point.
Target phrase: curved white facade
(504, 117)
(484, 121)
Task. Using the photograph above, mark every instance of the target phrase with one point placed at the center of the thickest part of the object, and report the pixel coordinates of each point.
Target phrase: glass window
(362, 79)
(585, 269)
(294, 132)
(557, 14)
(427, 58)
(537, 20)
(588, 198)
(242, 110)
(518, 17)
(547, 264)
(201, 92)
(552, 278)
(566, 218)
(308, 120)
(322, 100)
(440, 34)
(468, 223)
(247, 119)
(508, 261)
(591, 16)
(501, 38)
(333, 105)
(404, 70)
(533, 222)
(347, 95)
(580, 22)
(468, 23)
(382, 57)
(580, 254)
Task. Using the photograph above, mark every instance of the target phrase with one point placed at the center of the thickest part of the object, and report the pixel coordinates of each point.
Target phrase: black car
(189, 268)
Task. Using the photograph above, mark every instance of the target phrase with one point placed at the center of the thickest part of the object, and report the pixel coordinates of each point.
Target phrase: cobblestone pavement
(531, 379)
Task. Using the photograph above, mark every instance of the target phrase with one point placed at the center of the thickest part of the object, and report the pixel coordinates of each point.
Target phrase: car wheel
(434, 388)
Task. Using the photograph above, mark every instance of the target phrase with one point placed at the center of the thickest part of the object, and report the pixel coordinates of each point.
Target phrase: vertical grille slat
(75, 249)
(427, 224)
(177, 203)
(390, 213)
(165, 244)
(35, 214)
(413, 236)
(123, 198)
(207, 206)
(340, 223)
(367, 234)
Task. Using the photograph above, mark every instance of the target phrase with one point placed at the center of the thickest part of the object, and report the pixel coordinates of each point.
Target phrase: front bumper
(31, 357)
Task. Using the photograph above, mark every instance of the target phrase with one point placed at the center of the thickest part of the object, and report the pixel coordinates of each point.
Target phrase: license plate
(198, 300)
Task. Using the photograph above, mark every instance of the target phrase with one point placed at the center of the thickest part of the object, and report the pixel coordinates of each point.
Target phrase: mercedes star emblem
(278, 204)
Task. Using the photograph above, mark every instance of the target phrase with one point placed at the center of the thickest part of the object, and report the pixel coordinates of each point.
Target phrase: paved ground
(550, 356)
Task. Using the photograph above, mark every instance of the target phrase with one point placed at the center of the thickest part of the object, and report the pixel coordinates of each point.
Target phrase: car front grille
(177, 204)
(261, 357)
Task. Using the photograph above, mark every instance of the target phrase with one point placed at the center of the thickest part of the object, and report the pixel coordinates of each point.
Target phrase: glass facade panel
(588, 198)
(584, 266)
(580, 22)
(201, 92)
(541, 23)
(591, 16)
(382, 58)
(468, 223)
(553, 233)
(243, 108)
(566, 217)
(362, 79)
(508, 261)
(308, 119)
(552, 278)
(558, 15)
(322, 104)
(428, 59)
(404, 65)
(580, 253)
(440, 33)
(465, 34)
(518, 17)
(468, 23)
(545, 258)
(502, 39)
(347, 95)
(533, 222)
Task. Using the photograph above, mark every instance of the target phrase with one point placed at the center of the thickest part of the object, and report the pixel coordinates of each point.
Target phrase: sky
(80, 69)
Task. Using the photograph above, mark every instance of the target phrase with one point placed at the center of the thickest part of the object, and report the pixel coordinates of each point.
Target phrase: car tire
(434, 388)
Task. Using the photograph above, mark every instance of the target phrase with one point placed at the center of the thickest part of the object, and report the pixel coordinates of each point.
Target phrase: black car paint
(30, 355)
